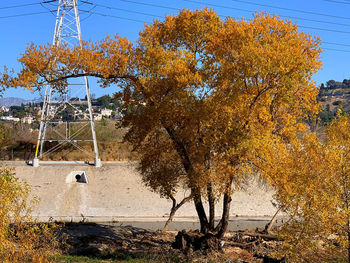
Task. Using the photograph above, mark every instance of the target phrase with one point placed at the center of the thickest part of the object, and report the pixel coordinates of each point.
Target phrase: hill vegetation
(334, 95)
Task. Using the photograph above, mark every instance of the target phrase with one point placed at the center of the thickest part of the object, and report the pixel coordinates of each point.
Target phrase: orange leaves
(109, 58)
(226, 89)
(205, 98)
(312, 182)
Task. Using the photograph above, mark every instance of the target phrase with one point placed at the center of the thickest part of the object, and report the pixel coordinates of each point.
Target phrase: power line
(172, 8)
(291, 9)
(337, 44)
(286, 16)
(119, 17)
(26, 14)
(325, 29)
(148, 4)
(129, 11)
(228, 7)
(87, 11)
(339, 50)
(16, 6)
(338, 2)
(52, 12)
(314, 28)
(329, 43)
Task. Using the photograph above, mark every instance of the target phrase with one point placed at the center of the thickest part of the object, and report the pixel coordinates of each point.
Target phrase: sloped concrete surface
(115, 192)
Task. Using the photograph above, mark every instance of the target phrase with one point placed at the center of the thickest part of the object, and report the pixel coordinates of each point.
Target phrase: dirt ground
(91, 239)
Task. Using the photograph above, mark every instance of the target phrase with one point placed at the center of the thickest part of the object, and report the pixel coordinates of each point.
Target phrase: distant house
(4, 109)
(27, 119)
(97, 117)
(6, 118)
(106, 112)
(9, 118)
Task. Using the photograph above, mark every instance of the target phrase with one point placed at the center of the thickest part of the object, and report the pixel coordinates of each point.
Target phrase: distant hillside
(12, 101)
(332, 95)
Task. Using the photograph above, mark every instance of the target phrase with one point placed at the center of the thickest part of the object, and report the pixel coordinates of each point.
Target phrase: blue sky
(330, 20)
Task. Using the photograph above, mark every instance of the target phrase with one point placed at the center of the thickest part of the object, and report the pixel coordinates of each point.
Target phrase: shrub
(22, 239)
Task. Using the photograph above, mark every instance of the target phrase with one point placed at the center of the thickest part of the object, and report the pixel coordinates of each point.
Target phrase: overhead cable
(291, 9)
(337, 2)
(252, 11)
(25, 14)
(119, 17)
(306, 27)
(172, 8)
(16, 6)
(129, 11)
(334, 49)
(148, 4)
(336, 44)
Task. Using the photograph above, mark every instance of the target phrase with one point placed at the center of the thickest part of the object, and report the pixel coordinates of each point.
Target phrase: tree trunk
(174, 208)
(225, 215)
(272, 221)
(211, 201)
(222, 226)
(25, 151)
(203, 220)
(186, 162)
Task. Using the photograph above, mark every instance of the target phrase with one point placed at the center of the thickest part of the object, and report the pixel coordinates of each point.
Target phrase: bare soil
(106, 241)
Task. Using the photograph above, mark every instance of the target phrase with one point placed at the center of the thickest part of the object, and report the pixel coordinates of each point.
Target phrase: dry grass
(109, 139)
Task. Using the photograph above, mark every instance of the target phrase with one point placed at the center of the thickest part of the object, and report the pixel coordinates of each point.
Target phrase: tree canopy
(207, 96)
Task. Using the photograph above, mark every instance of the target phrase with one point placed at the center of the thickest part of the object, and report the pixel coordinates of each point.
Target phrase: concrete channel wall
(115, 192)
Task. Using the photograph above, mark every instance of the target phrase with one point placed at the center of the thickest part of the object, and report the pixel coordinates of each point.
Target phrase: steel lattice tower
(57, 127)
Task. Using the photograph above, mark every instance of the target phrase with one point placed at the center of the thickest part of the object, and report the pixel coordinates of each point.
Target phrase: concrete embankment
(115, 193)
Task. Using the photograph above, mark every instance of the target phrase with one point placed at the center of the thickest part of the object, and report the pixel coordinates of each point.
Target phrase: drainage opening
(77, 177)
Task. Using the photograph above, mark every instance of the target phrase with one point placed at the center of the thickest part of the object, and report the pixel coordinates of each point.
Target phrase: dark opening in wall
(77, 177)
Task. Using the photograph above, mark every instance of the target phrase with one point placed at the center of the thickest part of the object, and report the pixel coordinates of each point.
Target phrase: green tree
(104, 101)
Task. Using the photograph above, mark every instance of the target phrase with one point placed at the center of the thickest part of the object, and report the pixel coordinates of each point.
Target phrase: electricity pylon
(60, 125)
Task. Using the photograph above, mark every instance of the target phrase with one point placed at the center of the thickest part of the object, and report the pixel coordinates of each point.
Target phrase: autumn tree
(312, 180)
(203, 96)
(21, 239)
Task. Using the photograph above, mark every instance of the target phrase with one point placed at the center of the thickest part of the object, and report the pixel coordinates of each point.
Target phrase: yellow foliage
(22, 240)
(312, 182)
(205, 97)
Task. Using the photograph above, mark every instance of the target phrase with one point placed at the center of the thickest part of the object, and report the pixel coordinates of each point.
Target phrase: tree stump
(186, 241)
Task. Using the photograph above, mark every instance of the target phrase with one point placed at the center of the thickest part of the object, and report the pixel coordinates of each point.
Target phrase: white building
(106, 112)
(27, 119)
(9, 118)
(97, 117)
(4, 109)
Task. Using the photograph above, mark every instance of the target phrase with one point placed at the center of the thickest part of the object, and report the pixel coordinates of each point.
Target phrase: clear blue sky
(330, 20)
